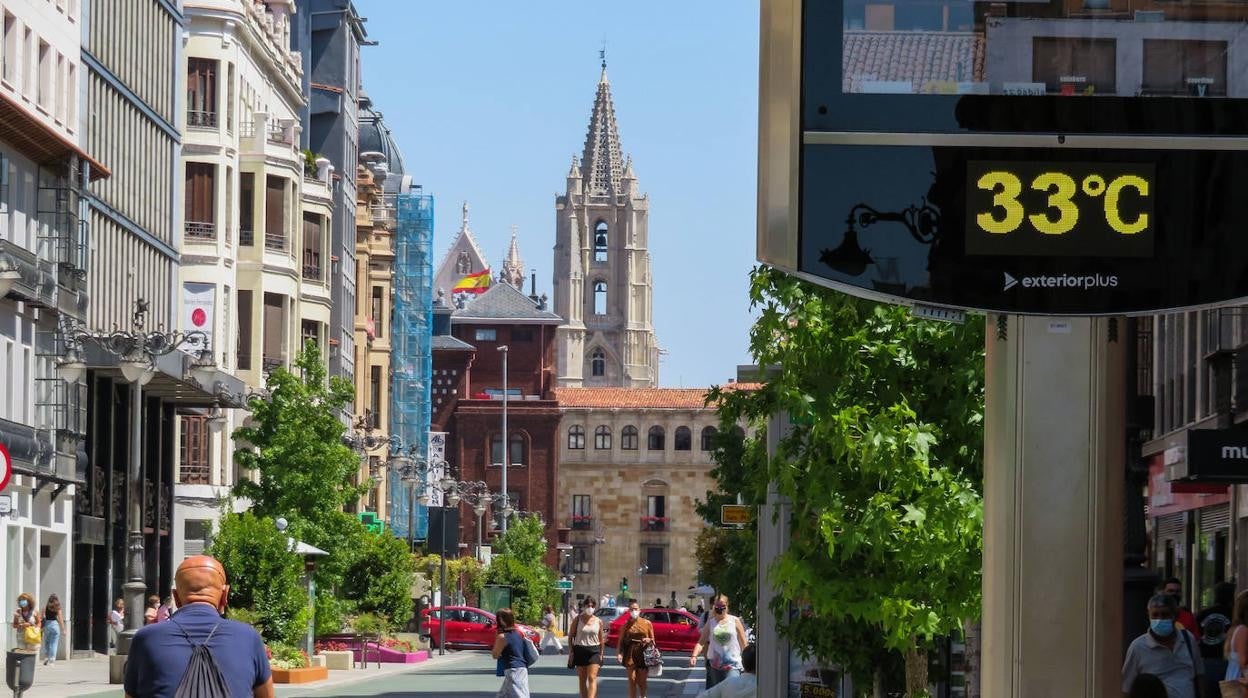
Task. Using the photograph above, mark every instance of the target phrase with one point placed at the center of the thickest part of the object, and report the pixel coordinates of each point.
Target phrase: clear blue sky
(489, 101)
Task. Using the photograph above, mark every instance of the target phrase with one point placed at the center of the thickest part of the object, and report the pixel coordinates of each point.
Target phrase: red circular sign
(198, 317)
(6, 467)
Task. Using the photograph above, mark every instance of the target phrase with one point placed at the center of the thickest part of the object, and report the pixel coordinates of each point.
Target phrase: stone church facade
(603, 288)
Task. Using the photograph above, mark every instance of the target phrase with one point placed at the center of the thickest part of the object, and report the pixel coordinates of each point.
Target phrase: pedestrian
(635, 636)
(509, 651)
(549, 640)
(723, 636)
(1185, 619)
(161, 653)
(1148, 686)
(1215, 622)
(658, 602)
(116, 621)
(165, 610)
(606, 601)
(588, 639)
(1164, 650)
(1237, 642)
(743, 685)
(151, 614)
(25, 617)
(53, 628)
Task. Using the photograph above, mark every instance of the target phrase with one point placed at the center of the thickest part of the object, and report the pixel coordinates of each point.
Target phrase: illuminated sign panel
(1015, 157)
(1073, 209)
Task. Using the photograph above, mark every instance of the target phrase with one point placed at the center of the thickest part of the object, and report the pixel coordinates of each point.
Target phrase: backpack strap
(188, 637)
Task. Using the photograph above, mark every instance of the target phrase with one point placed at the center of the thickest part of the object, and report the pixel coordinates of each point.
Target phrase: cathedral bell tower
(602, 286)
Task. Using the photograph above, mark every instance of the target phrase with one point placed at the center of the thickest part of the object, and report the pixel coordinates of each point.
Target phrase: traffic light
(623, 585)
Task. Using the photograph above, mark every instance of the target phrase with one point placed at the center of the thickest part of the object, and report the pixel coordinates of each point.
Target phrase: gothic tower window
(598, 363)
(600, 298)
(600, 242)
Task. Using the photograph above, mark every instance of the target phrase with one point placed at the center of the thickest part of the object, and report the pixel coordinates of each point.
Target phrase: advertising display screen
(1070, 157)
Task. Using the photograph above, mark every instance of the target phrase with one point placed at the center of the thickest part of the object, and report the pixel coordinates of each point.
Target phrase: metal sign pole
(773, 540)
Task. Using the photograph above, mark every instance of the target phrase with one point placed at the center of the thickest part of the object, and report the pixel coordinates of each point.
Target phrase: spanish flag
(473, 283)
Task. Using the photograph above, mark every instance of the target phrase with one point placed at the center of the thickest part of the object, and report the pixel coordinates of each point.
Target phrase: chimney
(533, 286)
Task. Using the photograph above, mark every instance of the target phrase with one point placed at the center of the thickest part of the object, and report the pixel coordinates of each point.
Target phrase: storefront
(1189, 532)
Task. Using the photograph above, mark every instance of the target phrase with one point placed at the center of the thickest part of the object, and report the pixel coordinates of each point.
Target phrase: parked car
(608, 614)
(675, 629)
(466, 627)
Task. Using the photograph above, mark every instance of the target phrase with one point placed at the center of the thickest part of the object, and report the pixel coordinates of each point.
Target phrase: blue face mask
(1162, 627)
(22, 603)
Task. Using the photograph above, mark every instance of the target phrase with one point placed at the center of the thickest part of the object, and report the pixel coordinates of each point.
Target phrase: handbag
(1231, 689)
(651, 656)
(530, 653)
(33, 635)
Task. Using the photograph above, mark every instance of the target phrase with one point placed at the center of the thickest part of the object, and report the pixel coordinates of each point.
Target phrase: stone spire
(464, 226)
(601, 163)
(513, 266)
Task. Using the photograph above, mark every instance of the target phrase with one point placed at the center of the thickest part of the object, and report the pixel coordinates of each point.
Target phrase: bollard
(19, 671)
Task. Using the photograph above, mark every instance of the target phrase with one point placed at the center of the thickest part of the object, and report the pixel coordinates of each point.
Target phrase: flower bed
(390, 655)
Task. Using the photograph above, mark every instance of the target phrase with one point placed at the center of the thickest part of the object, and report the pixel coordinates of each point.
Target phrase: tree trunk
(877, 685)
(970, 665)
(916, 673)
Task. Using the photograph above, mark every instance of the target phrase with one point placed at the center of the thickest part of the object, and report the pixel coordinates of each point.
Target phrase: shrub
(283, 656)
(379, 578)
(368, 624)
(264, 576)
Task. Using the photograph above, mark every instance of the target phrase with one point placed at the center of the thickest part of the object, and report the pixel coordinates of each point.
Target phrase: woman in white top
(723, 636)
(588, 638)
(1237, 642)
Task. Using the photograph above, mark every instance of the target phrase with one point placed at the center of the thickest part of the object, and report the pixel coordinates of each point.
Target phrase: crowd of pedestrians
(37, 631)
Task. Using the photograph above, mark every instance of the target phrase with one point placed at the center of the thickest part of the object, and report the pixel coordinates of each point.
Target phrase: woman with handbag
(588, 638)
(635, 637)
(509, 650)
(1232, 685)
(26, 622)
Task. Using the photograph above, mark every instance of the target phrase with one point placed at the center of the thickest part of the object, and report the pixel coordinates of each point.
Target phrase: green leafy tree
(379, 579)
(519, 562)
(293, 445)
(264, 576)
(883, 467)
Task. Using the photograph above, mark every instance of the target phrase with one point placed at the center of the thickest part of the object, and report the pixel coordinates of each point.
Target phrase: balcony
(280, 135)
(312, 272)
(246, 237)
(247, 129)
(269, 363)
(655, 523)
(201, 119)
(582, 523)
(199, 231)
(276, 242)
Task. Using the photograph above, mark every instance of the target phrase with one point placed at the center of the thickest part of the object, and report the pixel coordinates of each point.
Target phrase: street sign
(733, 514)
(1005, 180)
(564, 585)
(6, 467)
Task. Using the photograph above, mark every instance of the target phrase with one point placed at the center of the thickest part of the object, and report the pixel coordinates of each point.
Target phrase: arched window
(655, 442)
(708, 438)
(684, 439)
(600, 242)
(598, 363)
(628, 438)
(602, 437)
(576, 437)
(516, 457)
(600, 298)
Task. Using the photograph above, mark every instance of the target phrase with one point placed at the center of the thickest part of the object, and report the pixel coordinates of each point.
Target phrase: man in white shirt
(744, 685)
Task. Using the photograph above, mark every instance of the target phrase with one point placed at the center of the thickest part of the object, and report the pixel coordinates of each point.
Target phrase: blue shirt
(160, 653)
(512, 655)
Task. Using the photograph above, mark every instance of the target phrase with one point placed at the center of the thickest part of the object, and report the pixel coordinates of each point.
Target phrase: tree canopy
(519, 561)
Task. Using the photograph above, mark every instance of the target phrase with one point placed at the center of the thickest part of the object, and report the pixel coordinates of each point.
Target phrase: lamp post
(506, 441)
(137, 349)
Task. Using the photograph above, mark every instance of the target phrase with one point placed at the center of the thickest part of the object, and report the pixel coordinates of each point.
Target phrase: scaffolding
(411, 352)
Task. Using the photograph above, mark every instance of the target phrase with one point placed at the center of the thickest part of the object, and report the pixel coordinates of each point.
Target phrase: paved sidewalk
(89, 677)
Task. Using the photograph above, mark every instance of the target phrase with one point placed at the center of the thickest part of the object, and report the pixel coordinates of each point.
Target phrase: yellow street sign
(734, 514)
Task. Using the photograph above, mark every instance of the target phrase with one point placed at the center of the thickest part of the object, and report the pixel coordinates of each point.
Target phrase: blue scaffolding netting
(411, 353)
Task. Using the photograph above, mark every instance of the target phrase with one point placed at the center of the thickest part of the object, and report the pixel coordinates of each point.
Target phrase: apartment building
(257, 212)
(43, 168)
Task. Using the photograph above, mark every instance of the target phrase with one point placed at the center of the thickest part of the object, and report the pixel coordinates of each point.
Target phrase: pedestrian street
(471, 675)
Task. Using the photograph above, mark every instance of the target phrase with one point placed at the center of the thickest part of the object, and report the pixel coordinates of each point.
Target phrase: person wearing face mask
(723, 636)
(636, 634)
(25, 617)
(588, 641)
(160, 653)
(1168, 652)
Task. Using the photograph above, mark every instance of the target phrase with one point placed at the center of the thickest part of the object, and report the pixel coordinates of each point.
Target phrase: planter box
(391, 656)
(338, 660)
(316, 660)
(305, 675)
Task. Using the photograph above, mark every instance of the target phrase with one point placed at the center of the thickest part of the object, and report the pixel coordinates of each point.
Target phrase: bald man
(161, 652)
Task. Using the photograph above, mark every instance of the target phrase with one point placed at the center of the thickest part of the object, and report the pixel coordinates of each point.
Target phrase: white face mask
(635, 613)
(587, 611)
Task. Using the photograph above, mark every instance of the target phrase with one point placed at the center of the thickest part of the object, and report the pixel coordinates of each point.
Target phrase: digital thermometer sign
(1068, 209)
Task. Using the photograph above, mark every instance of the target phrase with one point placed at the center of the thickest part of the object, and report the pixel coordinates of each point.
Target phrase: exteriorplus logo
(1084, 282)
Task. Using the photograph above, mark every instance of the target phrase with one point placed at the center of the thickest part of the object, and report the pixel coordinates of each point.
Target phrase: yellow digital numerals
(1061, 213)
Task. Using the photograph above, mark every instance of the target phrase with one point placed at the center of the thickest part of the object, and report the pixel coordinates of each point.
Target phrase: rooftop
(504, 303)
(641, 398)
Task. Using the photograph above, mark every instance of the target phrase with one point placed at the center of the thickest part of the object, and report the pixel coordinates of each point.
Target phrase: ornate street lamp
(137, 349)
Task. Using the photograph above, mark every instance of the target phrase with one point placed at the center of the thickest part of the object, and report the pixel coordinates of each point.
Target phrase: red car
(675, 629)
(466, 627)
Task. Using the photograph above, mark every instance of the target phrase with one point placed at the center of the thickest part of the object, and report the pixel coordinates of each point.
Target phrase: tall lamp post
(506, 440)
(137, 349)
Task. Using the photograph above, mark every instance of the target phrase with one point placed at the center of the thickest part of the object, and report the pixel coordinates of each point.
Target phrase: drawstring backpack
(203, 677)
